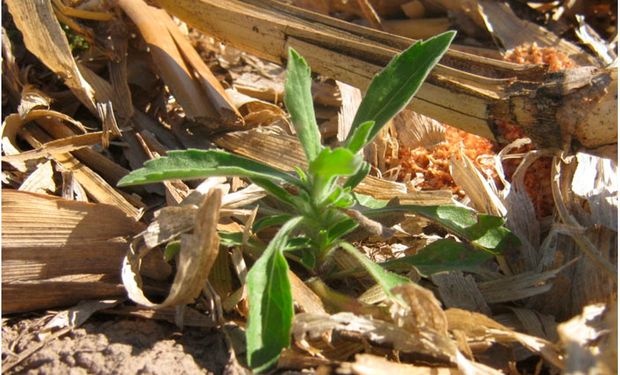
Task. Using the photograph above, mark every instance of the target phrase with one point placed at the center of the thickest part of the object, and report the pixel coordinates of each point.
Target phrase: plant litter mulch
(518, 122)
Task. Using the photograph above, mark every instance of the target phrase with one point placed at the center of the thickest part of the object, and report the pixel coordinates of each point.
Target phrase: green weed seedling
(320, 200)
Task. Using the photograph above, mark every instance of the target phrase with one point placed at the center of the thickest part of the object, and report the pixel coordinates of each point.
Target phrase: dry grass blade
(304, 297)
(458, 290)
(58, 146)
(95, 185)
(518, 287)
(44, 37)
(56, 252)
(197, 255)
(11, 79)
(79, 314)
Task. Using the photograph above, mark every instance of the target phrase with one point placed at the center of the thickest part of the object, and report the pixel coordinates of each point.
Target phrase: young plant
(322, 209)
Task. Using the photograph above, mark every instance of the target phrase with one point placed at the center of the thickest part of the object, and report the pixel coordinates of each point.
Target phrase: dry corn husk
(57, 252)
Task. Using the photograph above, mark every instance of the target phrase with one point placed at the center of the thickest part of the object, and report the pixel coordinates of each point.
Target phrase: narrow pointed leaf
(298, 101)
(439, 256)
(194, 164)
(485, 232)
(388, 280)
(271, 303)
(358, 177)
(337, 162)
(394, 87)
(359, 136)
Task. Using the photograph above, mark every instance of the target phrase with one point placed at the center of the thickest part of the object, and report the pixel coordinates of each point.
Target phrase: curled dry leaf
(421, 310)
(308, 327)
(171, 222)
(198, 253)
(266, 84)
(480, 328)
(58, 146)
(419, 326)
(482, 192)
(32, 98)
(13, 124)
(257, 112)
(596, 180)
(41, 180)
(591, 341)
(415, 130)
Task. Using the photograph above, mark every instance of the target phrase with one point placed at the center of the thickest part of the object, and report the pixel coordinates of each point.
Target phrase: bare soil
(120, 346)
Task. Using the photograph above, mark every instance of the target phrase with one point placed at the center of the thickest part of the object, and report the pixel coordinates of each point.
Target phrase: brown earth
(121, 346)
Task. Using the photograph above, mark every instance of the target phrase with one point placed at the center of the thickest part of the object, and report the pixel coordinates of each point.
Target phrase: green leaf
(485, 232)
(441, 255)
(271, 303)
(277, 191)
(194, 164)
(298, 243)
(171, 250)
(270, 221)
(358, 177)
(386, 279)
(392, 89)
(230, 239)
(359, 136)
(341, 229)
(369, 201)
(337, 162)
(340, 197)
(298, 100)
(326, 168)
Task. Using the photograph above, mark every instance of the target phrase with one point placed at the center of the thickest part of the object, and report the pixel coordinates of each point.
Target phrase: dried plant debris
(93, 89)
(591, 340)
